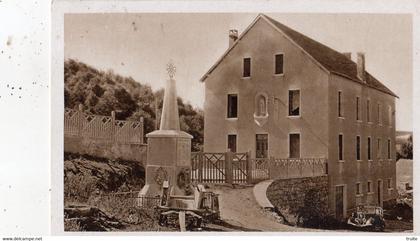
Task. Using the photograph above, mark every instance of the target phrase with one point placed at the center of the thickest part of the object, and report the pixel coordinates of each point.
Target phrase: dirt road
(239, 209)
(240, 212)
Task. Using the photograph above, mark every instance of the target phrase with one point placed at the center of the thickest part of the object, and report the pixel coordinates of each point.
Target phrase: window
(358, 188)
(278, 64)
(232, 143)
(232, 110)
(357, 147)
(340, 147)
(368, 110)
(294, 145)
(357, 108)
(261, 146)
(294, 102)
(378, 149)
(369, 186)
(389, 115)
(389, 149)
(340, 114)
(247, 67)
(379, 114)
(369, 148)
(389, 183)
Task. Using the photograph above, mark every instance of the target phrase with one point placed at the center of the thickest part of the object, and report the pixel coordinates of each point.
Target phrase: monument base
(168, 159)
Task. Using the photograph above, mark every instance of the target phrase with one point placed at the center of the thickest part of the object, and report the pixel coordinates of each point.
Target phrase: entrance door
(339, 202)
(261, 147)
(379, 193)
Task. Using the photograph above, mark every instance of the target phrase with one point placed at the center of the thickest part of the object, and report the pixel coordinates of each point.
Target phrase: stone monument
(168, 149)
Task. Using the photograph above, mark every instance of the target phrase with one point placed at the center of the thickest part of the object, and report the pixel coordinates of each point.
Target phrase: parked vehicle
(368, 218)
(406, 198)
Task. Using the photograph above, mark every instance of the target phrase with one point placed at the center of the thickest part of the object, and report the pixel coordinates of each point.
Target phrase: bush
(72, 225)
(78, 187)
(314, 212)
(407, 148)
(123, 207)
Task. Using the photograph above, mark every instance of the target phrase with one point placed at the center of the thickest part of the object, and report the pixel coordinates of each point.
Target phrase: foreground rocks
(85, 176)
(86, 218)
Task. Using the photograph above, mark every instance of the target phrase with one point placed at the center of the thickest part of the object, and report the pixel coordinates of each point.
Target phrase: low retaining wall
(110, 150)
(292, 195)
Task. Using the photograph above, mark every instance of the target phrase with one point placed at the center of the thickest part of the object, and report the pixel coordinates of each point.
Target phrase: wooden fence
(229, 167)
(104, 128)
(225, 167)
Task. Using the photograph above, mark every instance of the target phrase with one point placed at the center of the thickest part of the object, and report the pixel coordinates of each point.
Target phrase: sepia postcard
(263, 120)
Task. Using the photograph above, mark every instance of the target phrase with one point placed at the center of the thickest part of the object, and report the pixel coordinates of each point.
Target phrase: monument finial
(171, 69)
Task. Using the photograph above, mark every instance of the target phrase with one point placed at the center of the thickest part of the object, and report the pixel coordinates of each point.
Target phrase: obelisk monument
(169, 148)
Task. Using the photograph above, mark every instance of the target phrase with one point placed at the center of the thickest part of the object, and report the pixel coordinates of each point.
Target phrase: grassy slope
(91, 181)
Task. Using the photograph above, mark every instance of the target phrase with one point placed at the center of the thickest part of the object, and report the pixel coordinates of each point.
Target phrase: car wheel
(379, 228)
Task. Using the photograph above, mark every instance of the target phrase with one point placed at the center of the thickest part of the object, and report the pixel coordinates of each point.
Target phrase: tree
(101, 92)
(407, 148)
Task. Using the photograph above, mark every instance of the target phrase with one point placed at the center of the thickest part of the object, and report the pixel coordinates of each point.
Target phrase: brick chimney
(361, 66)
(233, 36)
(347, 54)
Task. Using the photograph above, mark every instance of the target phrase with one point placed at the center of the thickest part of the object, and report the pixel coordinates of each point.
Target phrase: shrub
(71, 225)
(313, 213)
(79, 187)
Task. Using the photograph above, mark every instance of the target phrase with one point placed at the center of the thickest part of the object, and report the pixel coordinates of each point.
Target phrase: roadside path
(260, 190)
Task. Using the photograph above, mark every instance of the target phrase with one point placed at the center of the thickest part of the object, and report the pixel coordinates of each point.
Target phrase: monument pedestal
(168, 159)
(168, 149)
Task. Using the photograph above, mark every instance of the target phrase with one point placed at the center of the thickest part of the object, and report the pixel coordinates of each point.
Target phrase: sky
(140, 45)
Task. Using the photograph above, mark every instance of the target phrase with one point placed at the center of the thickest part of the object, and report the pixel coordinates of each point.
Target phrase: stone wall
(288, 195)
(106, 149)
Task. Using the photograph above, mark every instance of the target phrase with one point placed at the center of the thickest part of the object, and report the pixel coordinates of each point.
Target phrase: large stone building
(276, 92)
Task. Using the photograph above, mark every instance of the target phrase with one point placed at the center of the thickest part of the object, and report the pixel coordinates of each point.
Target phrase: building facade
(276, 92)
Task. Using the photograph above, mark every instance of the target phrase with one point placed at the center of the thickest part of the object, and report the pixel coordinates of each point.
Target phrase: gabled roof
(330, 60)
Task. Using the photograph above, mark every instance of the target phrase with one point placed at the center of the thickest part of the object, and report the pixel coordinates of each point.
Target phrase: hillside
(84, 175)
(98, 195)
(101, 92)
